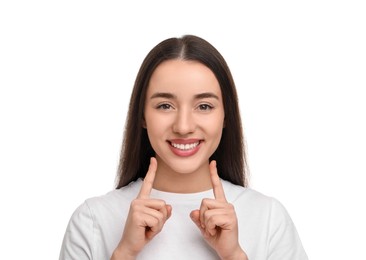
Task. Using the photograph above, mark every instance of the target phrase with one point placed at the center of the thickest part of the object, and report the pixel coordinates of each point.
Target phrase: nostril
(184, 128)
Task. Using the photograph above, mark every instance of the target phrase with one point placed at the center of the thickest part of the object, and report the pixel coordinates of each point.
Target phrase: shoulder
(266, 219)
(236, 192)
(255, 202)
(114, 199)
(97, 221)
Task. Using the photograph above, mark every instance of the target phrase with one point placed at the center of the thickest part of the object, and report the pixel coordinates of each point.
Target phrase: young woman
(182, 190)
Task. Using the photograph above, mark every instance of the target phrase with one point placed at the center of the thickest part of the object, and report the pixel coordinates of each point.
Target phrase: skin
(184, 102)
(217, 221)
(145, 220)
(182, 116)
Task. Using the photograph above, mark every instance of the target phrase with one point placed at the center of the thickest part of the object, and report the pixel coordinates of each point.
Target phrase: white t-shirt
(266, 231)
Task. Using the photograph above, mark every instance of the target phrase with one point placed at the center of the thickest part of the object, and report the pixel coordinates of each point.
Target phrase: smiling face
(184, 117)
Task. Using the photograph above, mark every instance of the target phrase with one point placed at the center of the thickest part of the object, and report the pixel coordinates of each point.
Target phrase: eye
(164, 106)
(205, 107)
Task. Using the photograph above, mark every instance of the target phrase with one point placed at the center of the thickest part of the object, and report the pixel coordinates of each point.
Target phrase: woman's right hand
(145, 220)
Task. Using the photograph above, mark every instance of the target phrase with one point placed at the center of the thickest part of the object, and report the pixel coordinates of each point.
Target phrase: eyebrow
(163, 95)
(172, 96)
(206, 95)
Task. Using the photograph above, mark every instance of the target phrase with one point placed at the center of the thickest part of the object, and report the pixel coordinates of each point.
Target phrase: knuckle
(205, 200)
(161, 203)
(206, 215)
(159, 216)
(210, 223)
(155, 222)
(230, 206)
(134, 204)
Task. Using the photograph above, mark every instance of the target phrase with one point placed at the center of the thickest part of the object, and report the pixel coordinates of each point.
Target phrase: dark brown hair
(136, 148)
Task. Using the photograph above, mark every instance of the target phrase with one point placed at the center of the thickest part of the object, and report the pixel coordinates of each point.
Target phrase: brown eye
(164, 107)
(205, 107)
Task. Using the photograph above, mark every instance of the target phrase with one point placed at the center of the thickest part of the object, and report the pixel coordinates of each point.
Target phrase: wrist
(120, 254)
(238, 255)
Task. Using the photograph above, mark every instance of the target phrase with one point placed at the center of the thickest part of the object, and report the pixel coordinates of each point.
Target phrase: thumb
(195, 216)
(169, 210)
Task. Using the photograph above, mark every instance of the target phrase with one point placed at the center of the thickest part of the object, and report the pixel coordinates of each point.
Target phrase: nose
(184, 122)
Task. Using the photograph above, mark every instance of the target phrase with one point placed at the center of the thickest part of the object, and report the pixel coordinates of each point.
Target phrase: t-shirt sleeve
(284, 241)
(78, 239)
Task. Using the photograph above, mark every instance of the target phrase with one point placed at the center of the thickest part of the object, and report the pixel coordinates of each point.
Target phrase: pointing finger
(148, 180)
(216, 183)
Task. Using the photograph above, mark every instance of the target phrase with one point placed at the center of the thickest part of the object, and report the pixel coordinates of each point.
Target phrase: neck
(169, 181)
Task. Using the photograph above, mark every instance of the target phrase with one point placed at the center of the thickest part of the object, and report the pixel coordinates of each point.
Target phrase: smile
(185, 147)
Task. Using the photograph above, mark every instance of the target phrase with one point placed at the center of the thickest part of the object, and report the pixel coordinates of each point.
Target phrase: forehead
(183, 76)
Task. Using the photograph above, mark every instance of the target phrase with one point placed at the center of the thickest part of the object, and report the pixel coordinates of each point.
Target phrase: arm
(218, 223)
(77, 242)
(145, 220)
(285, 242)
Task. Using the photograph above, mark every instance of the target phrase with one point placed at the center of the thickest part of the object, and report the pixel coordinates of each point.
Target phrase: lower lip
(185, 153)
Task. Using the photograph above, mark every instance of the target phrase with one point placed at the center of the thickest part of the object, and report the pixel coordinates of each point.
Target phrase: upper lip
(184, 141)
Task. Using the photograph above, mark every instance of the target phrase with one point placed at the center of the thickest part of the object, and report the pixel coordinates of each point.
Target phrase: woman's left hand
(217, 221)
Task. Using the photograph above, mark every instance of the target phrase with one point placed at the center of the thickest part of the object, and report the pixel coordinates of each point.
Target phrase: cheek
(153, 135)
(215, 124)
(155, 128)
(149, 120)
(217, 135)
(215, 128)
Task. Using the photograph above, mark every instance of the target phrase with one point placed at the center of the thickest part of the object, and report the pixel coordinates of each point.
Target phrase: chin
(186, 167)
(183, 165)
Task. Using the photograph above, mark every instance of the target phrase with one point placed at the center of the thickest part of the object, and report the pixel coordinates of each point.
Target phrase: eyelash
(205, 107)
(164, 106)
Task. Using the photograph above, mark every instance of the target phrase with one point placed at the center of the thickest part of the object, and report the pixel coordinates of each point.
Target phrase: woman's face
(184, 116)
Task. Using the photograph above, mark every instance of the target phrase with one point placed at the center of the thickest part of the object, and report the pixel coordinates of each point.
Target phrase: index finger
(148, 180)
(216, 183)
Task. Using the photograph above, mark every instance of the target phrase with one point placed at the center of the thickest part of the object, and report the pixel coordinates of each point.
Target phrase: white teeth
(185, 147)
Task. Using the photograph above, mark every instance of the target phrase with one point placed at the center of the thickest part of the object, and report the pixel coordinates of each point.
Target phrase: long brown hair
(136, 148)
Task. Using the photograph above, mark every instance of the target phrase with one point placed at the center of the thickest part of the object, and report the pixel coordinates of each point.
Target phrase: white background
(67, 70)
